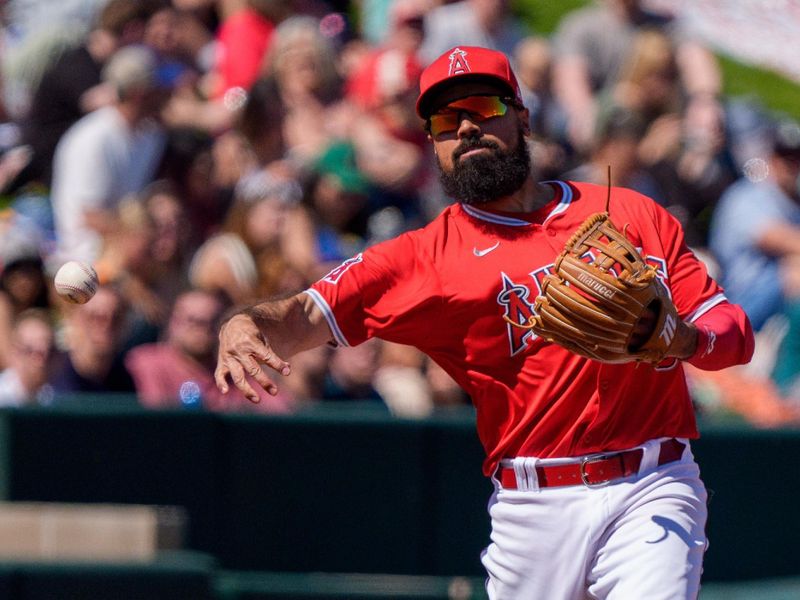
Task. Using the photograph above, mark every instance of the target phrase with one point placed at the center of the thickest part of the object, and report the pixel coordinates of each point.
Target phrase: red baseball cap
(465, 61)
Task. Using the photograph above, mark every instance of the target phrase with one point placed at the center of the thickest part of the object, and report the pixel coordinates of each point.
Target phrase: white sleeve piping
(706, 306)
(323, 305)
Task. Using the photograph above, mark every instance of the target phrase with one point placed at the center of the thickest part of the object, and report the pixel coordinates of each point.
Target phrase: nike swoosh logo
(486, 251)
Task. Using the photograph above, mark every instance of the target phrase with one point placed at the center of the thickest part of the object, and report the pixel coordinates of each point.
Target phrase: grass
(543, 16)
(775, 92)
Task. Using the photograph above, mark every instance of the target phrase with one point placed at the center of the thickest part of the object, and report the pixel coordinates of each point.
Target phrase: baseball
(76, 282)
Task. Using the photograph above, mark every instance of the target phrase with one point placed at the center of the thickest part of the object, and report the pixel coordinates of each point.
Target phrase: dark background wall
(351, 490)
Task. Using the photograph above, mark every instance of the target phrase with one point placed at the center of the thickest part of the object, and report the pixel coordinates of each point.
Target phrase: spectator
(486, 23)
(444, 389)
(400, 381)
(162, 35)
(351, 373)
(705, 166)
(22, 279)
(261, 123)
(648, 81)
(387, 133)
(243, 42)
(533, 58)
(302, 63)
(230, 64)
(306, 382)
(127, 262)
(615, 146)
(175, 52)
(247, 259)
(33, 35)
(170, 251)
(751, 396)
(687, 153)
(786, 367)
(332, 224)
(375, 18)
(412, 385)
(394, 67)
(198, 20)
(190, 165)
(94, 334)
(72, 86)
(32, 344)
(178, 372)
(385, 74)
(591, 45)
(108, 154)
(755, 229)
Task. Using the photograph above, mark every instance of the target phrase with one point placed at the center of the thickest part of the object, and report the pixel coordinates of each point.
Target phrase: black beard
(486, 176)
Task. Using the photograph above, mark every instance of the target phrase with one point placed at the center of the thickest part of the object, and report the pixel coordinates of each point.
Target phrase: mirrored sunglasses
(477, 109)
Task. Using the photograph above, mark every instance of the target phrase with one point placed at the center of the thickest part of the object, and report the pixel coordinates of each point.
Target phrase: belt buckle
(586, 460)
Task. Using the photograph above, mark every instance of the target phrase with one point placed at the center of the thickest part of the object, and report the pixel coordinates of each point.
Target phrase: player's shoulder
(438, 228)
(591, 197)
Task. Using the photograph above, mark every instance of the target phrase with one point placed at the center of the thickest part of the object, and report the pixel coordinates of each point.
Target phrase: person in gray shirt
(485, 23)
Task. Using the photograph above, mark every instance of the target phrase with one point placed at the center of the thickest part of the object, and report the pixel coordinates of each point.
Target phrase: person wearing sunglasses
(597, 493)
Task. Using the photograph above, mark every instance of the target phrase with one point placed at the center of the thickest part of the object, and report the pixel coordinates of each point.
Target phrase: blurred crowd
(206, 154)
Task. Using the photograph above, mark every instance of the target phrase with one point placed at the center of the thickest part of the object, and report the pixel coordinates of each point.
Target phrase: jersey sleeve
(725, 337)
(693, 290)
(390, 291)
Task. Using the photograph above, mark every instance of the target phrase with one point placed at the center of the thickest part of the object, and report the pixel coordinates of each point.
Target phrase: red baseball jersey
(447, 287)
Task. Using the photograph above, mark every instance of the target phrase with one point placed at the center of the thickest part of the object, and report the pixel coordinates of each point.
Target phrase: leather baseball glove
(601, 295)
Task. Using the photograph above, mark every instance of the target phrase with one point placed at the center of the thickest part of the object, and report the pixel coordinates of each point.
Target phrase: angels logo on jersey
(516, 299)
(538, 277)
(336, 274)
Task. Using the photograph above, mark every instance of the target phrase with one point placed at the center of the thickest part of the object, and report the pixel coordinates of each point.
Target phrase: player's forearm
(724, 338)
(291, 325)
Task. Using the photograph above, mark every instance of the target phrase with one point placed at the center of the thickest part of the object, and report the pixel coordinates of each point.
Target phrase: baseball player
(597, 494)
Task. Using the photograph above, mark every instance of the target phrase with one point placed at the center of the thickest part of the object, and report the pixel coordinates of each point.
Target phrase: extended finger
(272, 360)
(254, 370)
(221, 378)
(237, 375)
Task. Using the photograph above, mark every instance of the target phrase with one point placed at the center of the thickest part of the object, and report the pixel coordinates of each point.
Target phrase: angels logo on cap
(458, 62)
(466, 61)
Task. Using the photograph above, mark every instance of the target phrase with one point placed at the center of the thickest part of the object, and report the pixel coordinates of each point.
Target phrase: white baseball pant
(642, 537)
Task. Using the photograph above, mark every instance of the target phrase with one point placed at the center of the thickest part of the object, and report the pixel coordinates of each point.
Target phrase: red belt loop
(595, 470)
